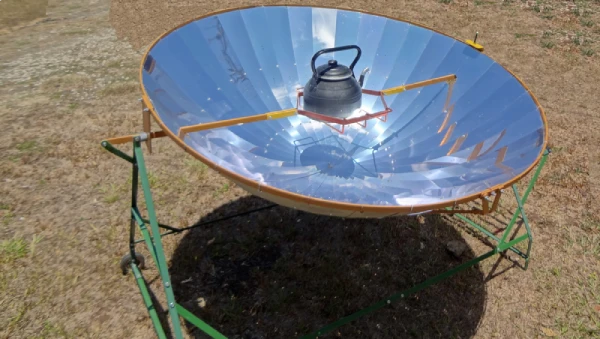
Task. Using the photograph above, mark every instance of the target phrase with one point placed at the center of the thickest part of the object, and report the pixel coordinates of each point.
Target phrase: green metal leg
(398, 296)
(501, 246)
(206, 328)
(148, 301)
(145, 233)
(160, 258)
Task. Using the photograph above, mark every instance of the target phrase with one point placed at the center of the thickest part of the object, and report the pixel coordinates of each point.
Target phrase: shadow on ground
(281, 273)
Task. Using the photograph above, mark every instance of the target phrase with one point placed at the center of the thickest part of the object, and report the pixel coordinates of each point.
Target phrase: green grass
(27, 146)
(7, 217)
(16, 248)
(523, 35)
(13, 249)
(112, 193)
(547, 44)
(34, 241)
(588, 52)
(152, 179)
(196, 167)
(586, 23)
(224, 188)
(579, 39)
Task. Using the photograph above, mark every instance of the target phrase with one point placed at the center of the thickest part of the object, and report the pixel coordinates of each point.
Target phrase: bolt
(172, 305)
(146, 110)
(167, 284)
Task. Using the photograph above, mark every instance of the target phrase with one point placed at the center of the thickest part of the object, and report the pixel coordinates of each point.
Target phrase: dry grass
(119, 89)
(68, 83)
(15, 12)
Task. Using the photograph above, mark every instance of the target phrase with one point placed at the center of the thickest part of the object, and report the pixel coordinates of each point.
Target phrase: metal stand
(153, 240)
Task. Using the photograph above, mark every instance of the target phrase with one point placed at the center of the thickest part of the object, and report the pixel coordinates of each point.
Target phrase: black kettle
(333, 89)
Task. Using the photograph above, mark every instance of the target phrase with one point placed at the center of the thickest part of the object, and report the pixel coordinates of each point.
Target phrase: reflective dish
(438, 147)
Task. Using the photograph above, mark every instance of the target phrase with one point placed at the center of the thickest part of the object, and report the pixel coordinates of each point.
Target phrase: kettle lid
(332, 71)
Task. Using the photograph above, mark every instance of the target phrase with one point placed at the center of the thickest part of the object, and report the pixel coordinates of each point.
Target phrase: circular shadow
(282, 273)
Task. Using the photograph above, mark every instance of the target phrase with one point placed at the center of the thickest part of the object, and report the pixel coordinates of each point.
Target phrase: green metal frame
(154, 244)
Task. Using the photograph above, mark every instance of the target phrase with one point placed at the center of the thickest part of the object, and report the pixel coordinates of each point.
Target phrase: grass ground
(69, 81)
(18, 12)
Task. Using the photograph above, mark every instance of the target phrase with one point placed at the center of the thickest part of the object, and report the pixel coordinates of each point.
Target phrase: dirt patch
(64, 201)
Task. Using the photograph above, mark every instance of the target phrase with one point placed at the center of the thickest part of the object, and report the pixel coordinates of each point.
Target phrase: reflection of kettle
(333, 89)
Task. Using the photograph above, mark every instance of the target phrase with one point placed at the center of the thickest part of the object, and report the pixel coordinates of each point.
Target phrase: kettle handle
(336, 49)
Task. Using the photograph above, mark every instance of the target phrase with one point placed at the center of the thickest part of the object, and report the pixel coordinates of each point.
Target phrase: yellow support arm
(400, 89)
(236, 121)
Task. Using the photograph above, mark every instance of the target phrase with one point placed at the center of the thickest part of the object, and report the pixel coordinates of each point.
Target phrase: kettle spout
(361, 80)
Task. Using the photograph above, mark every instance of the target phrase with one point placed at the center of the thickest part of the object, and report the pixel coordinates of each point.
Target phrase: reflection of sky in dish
(251, 61)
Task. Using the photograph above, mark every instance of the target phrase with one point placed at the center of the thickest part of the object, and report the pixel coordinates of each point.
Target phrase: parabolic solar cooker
(340, 113)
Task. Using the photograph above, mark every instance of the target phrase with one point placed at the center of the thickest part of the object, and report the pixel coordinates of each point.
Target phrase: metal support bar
(148, 301)
(488, 234)
(109, 147)
(129, 138)
(504, 246)
(400, 295)
(132, 221)
(160, 255)
(145, 234)
(206, 328)
(179, 230)
(147, 125)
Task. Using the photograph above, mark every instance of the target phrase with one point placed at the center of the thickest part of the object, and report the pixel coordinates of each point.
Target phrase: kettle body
(333, 89)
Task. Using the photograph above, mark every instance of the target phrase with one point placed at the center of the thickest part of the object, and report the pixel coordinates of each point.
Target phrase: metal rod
(505, 246)
(129, 138)
(160, 255)
(147, 125)
(204, 327)
(145, 234)
(179, 230)
(171, 228)
(134, 194)
(488, 234)
(401, 295)
(522, 201)
(148, 301)
(109, 147)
